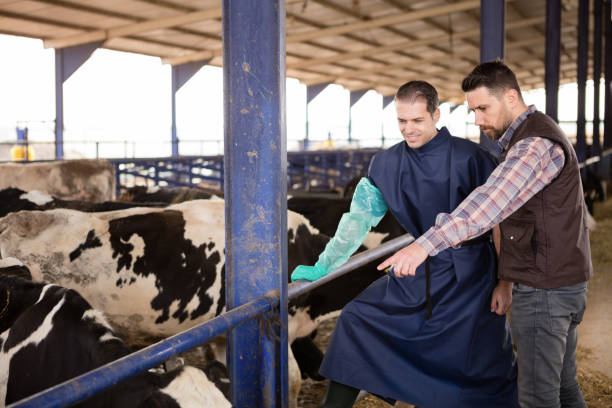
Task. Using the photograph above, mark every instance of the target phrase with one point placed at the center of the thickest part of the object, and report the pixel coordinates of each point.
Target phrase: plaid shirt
(530, 165)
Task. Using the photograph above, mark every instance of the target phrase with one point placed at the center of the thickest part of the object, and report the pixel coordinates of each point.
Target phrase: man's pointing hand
(406, 260)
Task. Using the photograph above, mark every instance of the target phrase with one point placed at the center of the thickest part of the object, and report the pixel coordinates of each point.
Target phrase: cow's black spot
(18, 271)
(182, 270)
(90, 242)
(10, 201)
(221, 303)
(290, 234)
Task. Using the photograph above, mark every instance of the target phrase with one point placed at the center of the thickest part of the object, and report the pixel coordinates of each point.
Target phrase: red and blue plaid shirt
(530, 165)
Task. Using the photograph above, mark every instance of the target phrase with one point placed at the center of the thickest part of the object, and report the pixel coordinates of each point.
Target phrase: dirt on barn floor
(594, 351)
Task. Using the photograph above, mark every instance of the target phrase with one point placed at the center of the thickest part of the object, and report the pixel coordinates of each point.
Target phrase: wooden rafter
(384, 21)
(415, 65)
(138, 28)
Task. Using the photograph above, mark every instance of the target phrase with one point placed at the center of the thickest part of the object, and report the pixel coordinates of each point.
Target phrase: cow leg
(295, 380)
(218, 347)
(308, 357)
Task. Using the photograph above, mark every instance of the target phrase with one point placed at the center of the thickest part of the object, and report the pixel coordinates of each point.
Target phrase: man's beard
(498, 133)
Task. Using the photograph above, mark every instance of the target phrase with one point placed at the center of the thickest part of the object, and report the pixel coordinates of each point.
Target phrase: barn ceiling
(359, 44)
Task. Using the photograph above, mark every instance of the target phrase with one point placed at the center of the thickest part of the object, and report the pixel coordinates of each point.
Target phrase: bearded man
(536, 195)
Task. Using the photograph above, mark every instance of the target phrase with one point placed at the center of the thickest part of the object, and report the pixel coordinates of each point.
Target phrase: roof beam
(393, 30)
(136, 28)
(384, 21)
(347, 28)
(412, 44)
(406, 45)
(56, 23)
(130, 29)
(412, 64)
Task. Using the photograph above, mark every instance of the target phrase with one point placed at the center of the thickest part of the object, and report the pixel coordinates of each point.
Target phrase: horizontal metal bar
(302, 286)
(88, 384)
(173, 182)
(595, 159)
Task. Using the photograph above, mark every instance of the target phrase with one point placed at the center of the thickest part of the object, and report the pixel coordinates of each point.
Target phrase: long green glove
(367, 209)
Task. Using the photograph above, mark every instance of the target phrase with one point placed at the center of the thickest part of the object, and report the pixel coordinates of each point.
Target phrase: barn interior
(360, 45)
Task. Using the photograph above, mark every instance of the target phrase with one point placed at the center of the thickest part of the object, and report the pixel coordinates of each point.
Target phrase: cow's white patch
(8, 262)
(301, 324)
(108, 336)
(37, 197)
(152, 189)
(98, 317)
(192, 389)
(294, 220)
(374, 239)
(35, 338)
(43, 292)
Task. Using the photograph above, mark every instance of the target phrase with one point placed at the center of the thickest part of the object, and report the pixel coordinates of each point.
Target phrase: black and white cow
(89, 180)
(156, 272)
(14, 199)
(49, 334)
(168, 195)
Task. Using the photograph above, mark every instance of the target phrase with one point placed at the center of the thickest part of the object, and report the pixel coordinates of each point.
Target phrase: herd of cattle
(153, 265)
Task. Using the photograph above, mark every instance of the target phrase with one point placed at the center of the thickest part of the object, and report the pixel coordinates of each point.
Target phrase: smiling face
(416, 124)
(492, 114)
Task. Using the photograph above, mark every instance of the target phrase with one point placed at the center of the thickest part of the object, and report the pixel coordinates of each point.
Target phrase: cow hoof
(315, 375)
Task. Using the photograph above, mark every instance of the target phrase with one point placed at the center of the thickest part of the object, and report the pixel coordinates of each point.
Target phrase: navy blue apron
(383, 343)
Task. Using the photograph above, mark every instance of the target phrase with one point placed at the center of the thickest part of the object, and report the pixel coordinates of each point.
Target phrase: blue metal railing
(102, 378)
(310, 171)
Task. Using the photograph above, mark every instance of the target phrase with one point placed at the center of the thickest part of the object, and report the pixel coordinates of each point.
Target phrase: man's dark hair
(413, 90)
(493, 75)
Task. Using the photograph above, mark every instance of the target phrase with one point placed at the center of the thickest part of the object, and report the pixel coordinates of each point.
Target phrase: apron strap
(428, 288)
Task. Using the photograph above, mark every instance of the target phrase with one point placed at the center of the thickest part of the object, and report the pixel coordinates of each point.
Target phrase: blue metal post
(311, 92)
(386, 101)
(180, 75)
(492, 44)
(597, 12)
(354, 97)
(553, 54)
(583, 55)
(608, 80)
(255, 193)
(67, 61)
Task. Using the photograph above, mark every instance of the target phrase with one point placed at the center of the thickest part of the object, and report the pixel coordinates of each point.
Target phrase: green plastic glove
(367, 209)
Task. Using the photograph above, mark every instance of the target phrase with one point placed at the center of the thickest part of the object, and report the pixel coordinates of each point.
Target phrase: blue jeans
(544, 326)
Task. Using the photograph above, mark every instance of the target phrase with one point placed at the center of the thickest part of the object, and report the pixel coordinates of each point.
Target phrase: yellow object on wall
(18, 153)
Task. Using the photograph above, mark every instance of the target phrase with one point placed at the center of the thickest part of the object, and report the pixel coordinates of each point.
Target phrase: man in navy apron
(535, 195)
(438, 339)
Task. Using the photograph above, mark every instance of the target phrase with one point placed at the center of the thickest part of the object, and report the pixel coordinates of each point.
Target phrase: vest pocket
(518, 244)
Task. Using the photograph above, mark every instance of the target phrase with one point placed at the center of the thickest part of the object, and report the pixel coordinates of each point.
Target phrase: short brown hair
(413, 90)
(493, 75)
